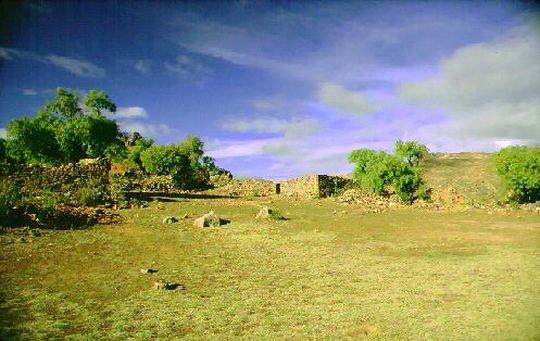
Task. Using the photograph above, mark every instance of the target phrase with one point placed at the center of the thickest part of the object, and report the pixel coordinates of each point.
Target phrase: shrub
(519, 168)
(168, 160)
(381, 173)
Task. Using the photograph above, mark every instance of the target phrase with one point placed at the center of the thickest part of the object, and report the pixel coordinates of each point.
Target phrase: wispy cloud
(131, 119)
(345, 101)
(147, 129)
(187, 68)
(272, 125)
(143, 66)
(78, 67)
(131, 112)
(238, 148)
(29, 92)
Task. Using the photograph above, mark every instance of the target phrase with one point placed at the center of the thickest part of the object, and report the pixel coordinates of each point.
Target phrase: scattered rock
(148, 271)
(210, 219)
(160, 285)
(163, 285)
(269, 213)
(169, 220)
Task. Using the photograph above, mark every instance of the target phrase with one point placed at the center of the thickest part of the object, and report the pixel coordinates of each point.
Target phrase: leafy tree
(66, 104)
(33, 140)
(137, 147)
(2, 149)
(519, 168)
(411, 151)
(61, 132)
(168, 160)
(97, 101)
(381, 172)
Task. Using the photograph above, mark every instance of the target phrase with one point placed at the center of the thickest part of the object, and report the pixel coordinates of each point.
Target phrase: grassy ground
(325, 274)
(470, 174)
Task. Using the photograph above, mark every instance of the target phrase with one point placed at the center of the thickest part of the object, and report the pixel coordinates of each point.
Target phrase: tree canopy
(63, 132)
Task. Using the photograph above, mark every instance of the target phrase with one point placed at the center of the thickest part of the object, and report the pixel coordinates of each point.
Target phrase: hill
(469, 178)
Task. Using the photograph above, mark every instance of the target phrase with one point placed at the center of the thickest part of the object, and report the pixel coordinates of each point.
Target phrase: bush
(519, 168)
(381, 173)
(168, 160)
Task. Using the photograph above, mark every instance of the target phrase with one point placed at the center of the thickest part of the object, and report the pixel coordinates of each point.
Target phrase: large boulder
(210, 219)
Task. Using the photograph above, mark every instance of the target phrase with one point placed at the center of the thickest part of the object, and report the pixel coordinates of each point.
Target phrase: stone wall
(304, 187)
(313, 186)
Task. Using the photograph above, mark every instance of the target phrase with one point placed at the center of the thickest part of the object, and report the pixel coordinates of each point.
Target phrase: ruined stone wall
(329, 185)
(303, 187)
(313, 186)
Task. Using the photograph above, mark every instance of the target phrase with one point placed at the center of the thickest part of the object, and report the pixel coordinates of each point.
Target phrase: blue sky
(283, 89)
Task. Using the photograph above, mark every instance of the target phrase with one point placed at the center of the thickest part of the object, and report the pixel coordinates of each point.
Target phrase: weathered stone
(264, 213)
(210, 219)
(148, 271)
(169, 220)
(160, 285)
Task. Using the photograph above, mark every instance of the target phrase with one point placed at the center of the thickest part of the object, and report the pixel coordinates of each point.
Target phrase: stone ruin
(312, 186)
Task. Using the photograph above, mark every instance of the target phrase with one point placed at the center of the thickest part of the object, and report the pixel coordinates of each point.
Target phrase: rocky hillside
(467, 177)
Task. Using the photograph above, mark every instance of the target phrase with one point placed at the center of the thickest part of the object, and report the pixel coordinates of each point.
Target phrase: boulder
(169, 220)
(264, 213)
(210, 219)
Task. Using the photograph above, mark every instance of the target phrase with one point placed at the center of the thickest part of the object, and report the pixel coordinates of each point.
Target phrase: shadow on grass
(169, 197)
(59, 219)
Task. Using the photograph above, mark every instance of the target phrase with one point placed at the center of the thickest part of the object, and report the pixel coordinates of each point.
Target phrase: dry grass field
(329, 271)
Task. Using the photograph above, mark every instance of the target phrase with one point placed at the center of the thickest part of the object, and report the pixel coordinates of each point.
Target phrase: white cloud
(267, 104)
(3, 133)
(146, 129)
(143, 66)
(131, 112)
(273, 125)
(186, 67)
(29, 92)
(489, 90)
(240, 148)
(345, 101)
(75, 66)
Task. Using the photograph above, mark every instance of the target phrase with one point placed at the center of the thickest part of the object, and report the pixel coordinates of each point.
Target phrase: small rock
(148, 271)
(169, 220)
(160, 285)
(264, 213)
(210, 219)
(163, 285)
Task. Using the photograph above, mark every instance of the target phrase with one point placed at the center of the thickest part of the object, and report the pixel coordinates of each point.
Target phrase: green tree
(33, 140)
(66, 104)
(61, 132)
(411, 151)
(136, 147)
(97, 101)
(519, 168)
(168, 160)
(381, 173)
